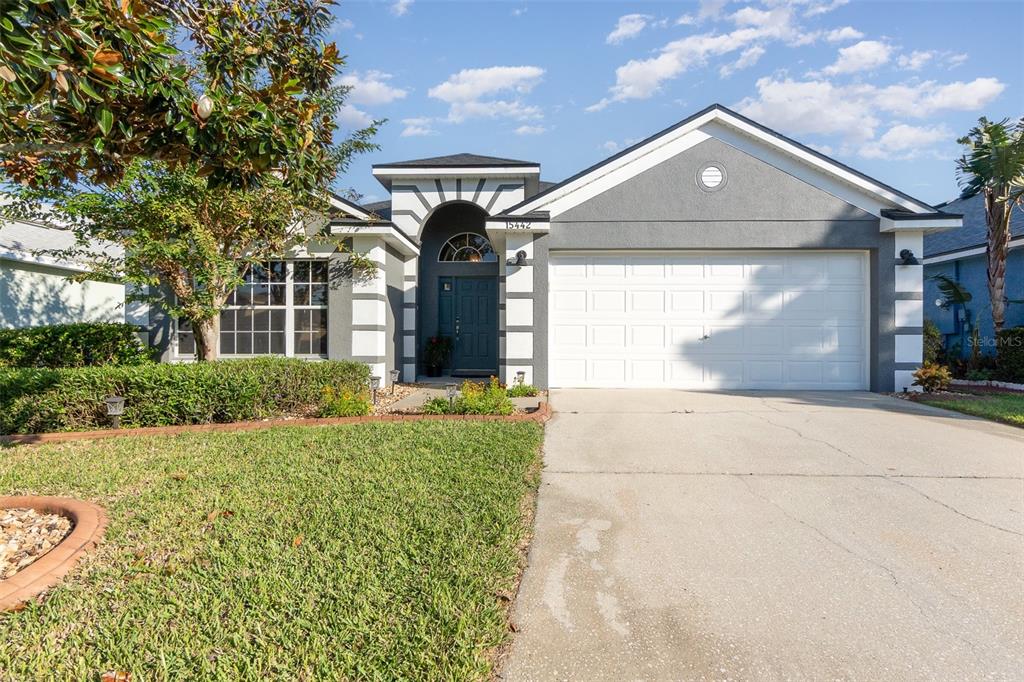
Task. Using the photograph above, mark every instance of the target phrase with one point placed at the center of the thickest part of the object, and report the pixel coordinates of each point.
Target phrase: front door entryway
(468, 313)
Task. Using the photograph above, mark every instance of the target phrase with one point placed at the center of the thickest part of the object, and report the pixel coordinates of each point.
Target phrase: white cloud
(531, 130)
(817, 8)
(839, 35)
(628, 26)
(417, 127)
(352, 117)
(811, 107)
(642, 78)
(464, 92)
(342, 24)
(956, 59)
(916, 60)
(905, 141)
(711, 9)
(747, 59)
(401, 7)
(686, 20)
(519, 11)
(924, 99)
(611, 146)
(862, 56)
(370, 88)
(854, 112)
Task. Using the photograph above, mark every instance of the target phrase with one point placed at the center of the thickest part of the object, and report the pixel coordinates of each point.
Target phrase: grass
(372, 551)
(1001, 407)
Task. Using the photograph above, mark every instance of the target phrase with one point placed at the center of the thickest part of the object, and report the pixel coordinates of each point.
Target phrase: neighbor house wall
(759, 207)
(32, 295)
(972, 274)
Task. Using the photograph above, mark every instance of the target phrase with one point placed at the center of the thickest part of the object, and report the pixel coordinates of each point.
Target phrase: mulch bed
(27, 535)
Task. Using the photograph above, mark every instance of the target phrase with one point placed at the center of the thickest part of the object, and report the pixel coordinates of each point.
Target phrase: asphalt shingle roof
(974, 232)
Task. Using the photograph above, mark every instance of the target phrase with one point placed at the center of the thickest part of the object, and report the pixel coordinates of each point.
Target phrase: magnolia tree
(198, 136)
(238, 88)
(993, 165)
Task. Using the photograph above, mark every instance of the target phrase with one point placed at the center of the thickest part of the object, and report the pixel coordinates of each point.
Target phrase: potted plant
(435, 355)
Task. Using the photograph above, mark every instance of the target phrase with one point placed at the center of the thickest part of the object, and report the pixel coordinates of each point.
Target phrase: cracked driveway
(772, 536)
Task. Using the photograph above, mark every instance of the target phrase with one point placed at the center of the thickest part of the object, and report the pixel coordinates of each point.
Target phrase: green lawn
(1001, 407)
(372, 551)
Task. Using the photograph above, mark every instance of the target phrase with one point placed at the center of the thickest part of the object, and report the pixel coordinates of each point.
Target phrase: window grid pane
(255, 318)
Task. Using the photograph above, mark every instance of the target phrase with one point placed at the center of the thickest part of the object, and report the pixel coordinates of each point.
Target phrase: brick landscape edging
(90, 523)
(540, 415)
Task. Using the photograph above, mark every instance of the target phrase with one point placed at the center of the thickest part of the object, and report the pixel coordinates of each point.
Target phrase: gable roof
(974, 232)
(29, 242)
(461, 160)
(349, 207)
(800, 153)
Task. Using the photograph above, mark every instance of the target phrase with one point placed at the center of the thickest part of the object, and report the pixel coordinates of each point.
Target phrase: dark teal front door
(469, 315)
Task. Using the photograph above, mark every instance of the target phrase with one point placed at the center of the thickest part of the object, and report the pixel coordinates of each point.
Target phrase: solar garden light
(521, 378)
(394, 379)
(374, 387)
(451, 389)
(115, 408)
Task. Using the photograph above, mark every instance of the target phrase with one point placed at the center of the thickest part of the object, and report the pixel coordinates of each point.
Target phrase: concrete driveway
(772, 536)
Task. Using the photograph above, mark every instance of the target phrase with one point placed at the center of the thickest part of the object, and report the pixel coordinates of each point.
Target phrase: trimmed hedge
(41, 400)
(73, 345)
(1010, 354)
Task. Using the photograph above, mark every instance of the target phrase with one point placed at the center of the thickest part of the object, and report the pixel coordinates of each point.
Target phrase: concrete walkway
(691, 536)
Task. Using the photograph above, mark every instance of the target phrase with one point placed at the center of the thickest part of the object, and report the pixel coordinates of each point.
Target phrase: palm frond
(953, 293)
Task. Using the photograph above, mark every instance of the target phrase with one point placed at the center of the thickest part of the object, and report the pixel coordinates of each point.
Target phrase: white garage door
(769, 320)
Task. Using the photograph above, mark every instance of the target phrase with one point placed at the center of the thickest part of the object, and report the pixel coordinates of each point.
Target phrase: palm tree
(993, 164)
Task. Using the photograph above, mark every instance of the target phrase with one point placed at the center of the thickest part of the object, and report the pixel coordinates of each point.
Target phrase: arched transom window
(467, 248)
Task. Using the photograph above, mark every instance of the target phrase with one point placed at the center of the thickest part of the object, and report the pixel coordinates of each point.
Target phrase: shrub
(38, 400)
(932, 378)
(490, 398)
(73, 345)
(522, 391)
(934, 346)
(344, 403)
(1010, 354)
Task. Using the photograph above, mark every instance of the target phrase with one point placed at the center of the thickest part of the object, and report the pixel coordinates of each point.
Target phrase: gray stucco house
(960, 255)
(714, 254)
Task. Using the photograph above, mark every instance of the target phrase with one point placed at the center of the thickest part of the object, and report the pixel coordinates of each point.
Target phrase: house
(714, 254)
(37, 289)
(960, 255)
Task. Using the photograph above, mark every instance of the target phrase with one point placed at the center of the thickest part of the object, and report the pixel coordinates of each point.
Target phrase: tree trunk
(997, 215)
(206, 333)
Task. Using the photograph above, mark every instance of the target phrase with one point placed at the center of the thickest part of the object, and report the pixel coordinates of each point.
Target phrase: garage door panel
(713, 320)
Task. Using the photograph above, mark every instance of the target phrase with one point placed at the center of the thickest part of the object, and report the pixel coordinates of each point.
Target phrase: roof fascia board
(1017, 243)
(456, 171)
(24, 257)
(926, 224)
(388, 233)
(348, 207)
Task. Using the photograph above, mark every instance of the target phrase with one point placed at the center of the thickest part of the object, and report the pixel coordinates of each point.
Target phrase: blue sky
(884, 87)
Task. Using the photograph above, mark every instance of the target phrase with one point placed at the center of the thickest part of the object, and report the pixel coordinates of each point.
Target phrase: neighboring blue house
(960, 255)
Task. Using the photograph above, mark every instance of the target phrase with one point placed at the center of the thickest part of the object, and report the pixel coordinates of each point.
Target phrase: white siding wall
(33, 295)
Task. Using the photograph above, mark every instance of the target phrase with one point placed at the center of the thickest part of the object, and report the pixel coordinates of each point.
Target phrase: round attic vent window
(711, 177)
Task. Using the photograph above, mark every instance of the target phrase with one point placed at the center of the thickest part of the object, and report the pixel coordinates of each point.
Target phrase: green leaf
(105, 119)
(83, 84)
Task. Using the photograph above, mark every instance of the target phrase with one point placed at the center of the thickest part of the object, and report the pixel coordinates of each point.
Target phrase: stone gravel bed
(26, 535)
(385, 398)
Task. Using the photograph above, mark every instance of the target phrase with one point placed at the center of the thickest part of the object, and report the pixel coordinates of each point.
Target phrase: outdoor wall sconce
(908, 257)
(519, 260)
(521, 377)
(450, 390)
(115, 408)
(394, 379)
(374, 387)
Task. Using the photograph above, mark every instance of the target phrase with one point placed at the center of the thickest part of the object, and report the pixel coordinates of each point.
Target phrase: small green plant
(1010, 354)
(435, 354)
(522, 391)
(344, 403)
(474, 398)
(980, 375)
(933, 343)
(932, 378)
(437, 406)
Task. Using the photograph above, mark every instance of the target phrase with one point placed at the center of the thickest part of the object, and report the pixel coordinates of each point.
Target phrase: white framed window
(280, 309)
(467, 247)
